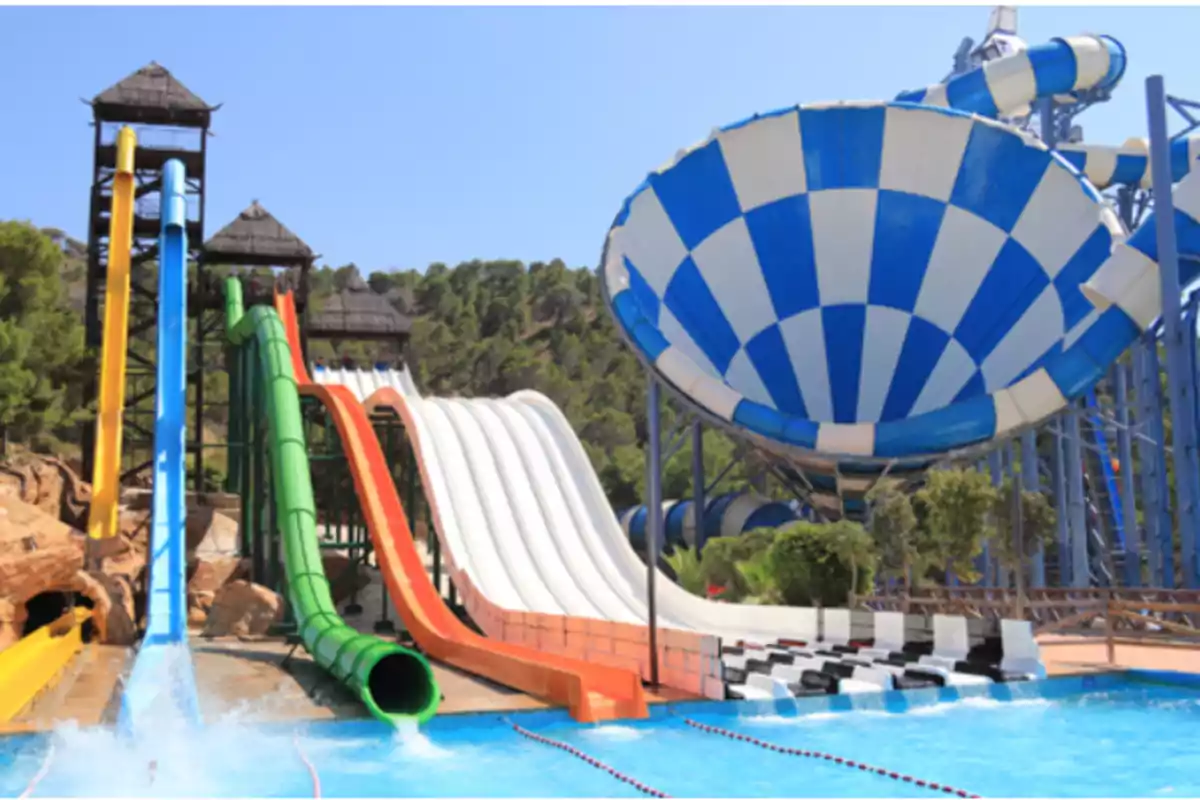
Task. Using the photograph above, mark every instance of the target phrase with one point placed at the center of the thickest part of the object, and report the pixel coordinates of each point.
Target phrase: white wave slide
(521, 513)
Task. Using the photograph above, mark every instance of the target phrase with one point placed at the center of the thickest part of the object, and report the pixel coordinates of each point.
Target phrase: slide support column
(1133, 536)
(698, 484)
(1031, 482)
(1182, 403)
(654, 516)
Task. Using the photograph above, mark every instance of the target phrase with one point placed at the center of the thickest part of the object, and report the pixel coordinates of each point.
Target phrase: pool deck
(267, 679)
(255, 680)
(1074, 655)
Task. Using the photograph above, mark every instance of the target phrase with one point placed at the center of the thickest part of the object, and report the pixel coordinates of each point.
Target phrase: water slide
(394, 683)
(106, 474)
(855, 287)
(524, 519)
(28, 667)
(162, 679)
(592, 692)
(861, 287)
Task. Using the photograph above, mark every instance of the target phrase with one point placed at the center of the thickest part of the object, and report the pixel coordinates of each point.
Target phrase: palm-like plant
(686, 564)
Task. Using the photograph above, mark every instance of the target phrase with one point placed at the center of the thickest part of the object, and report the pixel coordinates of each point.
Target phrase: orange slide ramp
(592, 692)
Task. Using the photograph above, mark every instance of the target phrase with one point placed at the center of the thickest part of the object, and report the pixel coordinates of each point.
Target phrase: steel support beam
(1179, 384)
(654, 516)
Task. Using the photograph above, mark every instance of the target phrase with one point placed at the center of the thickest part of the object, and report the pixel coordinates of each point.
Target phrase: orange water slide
(592, 692)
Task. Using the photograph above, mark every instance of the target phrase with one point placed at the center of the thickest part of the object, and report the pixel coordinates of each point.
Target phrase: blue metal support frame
(1076, 502)
(698, 484)
(1133, 538)
(654, 524)
(1153, 463)
(1060, 502)
(1179, 383)
(1107, 472)
(1031, 482)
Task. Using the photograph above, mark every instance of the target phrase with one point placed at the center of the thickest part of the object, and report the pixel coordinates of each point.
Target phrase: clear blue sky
(395, 137)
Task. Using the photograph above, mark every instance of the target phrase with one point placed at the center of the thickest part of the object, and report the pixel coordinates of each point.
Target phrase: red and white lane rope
(42, 772)
(595, 762)
(312, 770)
(846, 762)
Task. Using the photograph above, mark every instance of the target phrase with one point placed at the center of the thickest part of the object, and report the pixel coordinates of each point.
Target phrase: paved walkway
(1064, 655)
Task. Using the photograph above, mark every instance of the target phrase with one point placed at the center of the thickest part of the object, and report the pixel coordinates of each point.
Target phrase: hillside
(487, 328)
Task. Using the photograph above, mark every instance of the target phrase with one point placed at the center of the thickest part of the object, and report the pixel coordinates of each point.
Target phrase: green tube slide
(396, 684)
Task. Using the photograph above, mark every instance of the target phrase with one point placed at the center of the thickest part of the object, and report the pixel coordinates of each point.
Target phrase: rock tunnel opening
(48, 607)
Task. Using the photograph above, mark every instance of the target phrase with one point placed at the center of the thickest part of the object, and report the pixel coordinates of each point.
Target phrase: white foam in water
(414, 743)
(167, 757)
(977, 704)
(623, 733)
(814, 718)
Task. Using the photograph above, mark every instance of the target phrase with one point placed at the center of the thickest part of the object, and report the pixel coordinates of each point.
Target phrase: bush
(718, 565)
(686, 565)
(759, 580)
(809, 565)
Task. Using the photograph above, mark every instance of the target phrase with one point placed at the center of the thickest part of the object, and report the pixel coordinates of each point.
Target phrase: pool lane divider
(582, 756)
(312, 770)
(42, 772)
(846, 762)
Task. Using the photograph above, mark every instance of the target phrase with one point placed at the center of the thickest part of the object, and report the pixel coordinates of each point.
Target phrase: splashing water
(621, 733)
(163, 756)
(412, 742)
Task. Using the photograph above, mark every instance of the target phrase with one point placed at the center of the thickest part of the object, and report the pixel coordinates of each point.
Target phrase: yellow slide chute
(106, 475)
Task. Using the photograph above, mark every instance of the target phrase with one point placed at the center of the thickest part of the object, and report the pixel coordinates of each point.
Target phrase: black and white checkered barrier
(831, 662)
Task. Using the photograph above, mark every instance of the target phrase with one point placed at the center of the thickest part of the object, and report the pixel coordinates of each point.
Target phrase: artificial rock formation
(242, 608)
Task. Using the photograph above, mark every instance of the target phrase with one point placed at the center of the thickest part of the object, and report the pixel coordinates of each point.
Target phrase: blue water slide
(730, 514)
(859, 286)
(161, 682)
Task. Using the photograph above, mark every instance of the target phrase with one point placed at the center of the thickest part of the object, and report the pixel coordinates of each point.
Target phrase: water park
(896, 306)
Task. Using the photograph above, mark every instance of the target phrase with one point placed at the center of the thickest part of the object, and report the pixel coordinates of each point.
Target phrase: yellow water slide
(106, 475)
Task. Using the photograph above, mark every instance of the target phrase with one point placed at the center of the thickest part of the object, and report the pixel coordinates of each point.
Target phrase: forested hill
(481, 328)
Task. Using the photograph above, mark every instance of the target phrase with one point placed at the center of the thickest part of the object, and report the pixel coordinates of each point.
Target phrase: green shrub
(759, 580)
(811, 563)
(686, 565)
(721, 556)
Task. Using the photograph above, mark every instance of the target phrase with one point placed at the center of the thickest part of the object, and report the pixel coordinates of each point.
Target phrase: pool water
(1119, 739)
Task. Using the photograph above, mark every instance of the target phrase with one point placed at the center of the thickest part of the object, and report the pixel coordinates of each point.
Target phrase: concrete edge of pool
(891, 701)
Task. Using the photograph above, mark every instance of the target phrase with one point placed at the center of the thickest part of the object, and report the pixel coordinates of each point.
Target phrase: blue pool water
(1062, 738)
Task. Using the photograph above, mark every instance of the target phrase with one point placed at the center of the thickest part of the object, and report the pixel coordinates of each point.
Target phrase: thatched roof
(356, 311)
(256, 237)
(154, 95)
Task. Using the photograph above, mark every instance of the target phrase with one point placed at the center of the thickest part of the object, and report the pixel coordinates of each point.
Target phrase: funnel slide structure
(106, 474)
(592, 692)
(161, 679)
(861, 287)
(393, 682)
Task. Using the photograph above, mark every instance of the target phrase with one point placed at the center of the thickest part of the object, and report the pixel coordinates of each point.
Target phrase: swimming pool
(1068, 737)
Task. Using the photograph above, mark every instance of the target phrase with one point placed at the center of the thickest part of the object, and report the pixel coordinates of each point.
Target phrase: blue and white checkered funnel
(861, 285)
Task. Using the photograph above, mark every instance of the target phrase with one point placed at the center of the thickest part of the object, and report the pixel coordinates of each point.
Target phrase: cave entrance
(44, 608)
